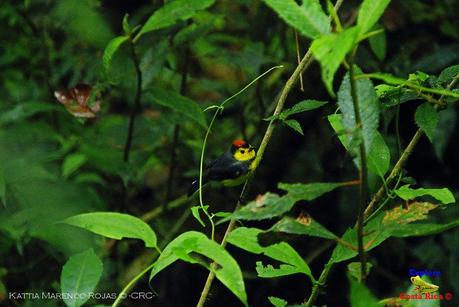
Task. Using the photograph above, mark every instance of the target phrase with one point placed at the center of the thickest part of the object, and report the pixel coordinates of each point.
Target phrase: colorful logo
(422, 286)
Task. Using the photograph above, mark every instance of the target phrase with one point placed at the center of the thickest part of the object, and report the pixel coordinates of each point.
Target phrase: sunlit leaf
(80, 275)
(269, 271)
(443, 195)
(185, 245)
(111, 49)
(277, 302)
(247, 239)
(369, 13)
(331, 50)
(309, 18)
(196, 215)
(115, 226)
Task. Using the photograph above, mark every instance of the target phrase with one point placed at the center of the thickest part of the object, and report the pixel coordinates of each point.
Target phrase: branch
(307, 59)
(136, 107)
(377, 197)
(175, 141)
(363, 170)
(403, 158)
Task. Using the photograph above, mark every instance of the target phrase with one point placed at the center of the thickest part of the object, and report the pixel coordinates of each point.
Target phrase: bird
(232, 168)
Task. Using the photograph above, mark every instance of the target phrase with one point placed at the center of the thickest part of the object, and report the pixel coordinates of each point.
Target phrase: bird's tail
(195, 185)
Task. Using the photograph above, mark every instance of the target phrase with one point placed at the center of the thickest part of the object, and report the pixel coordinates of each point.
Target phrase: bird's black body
(225, 168)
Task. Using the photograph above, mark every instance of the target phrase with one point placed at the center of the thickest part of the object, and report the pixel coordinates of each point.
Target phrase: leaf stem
(320, 282)
(130, 285)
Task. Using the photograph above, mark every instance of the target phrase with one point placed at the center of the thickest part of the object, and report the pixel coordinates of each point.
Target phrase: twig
(363, 171)
(377, 197)
(175, 141)
(136, 107)
(264, 143)
(403, 158)
(298, 57)
(320, 282)
(395, 171)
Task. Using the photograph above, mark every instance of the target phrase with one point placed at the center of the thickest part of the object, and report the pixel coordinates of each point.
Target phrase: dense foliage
(109, 109)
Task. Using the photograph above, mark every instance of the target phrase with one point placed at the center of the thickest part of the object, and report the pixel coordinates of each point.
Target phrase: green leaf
(447, 74)
(270, 205)
(125, 23)
(378, 44)
(375, 236)
(247, 239)
(336, 121)
(427, 118)
(443, 195)
(178, 103)
(277, 302)
(172, 12)
(369, 13)
(379, 156)
(115, 226)
(355, 268)
(360, 296)
(303, 106)
(308, 191)
(111, 49)
(302, 226)
(195, 212)
(390, 79)
(183, 247)
(72, 163)
(26, 110)
(400, 215)
(368, 108)
(330, 51)
(79, 277)
(308, 19)
(421, 229)
(295, 125)
(270, 271)
(263, 207)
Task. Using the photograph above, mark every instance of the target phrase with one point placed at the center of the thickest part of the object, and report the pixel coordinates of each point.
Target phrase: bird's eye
(242, 151)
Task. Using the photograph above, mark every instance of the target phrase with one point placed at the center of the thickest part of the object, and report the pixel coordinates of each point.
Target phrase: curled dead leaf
(76, 100)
